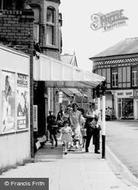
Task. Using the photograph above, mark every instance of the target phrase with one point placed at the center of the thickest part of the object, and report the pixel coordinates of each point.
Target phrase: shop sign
(124, 94)
(22, 101)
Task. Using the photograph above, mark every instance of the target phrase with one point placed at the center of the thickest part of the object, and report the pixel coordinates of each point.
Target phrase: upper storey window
(50, 15)
(134, 76)
(114, 77)
(36, 23)
(11, 4)
(5, 4)
(51, 26)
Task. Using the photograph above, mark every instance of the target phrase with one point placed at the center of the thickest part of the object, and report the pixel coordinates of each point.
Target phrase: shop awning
(71, 91)
(58, 74)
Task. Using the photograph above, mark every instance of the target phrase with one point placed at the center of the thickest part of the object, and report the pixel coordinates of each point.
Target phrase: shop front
(52, 74)
(125, 104)
(14, 107)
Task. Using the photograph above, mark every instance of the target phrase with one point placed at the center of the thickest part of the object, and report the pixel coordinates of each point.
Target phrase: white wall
(15, 146)
(13, 61)
(135, 108)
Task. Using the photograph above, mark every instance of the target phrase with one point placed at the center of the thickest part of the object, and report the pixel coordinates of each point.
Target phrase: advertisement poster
(8, 102)
(22, 101)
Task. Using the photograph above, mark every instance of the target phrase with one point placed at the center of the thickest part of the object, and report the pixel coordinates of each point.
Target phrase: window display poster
(8, 102)
(22, 101)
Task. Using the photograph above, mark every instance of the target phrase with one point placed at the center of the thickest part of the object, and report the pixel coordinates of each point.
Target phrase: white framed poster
(8, 102)
(22, 101)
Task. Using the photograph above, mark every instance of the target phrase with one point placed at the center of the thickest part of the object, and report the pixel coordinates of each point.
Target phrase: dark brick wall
(16, 29)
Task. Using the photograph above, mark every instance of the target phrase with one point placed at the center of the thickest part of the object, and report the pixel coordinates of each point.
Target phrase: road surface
(122, 139)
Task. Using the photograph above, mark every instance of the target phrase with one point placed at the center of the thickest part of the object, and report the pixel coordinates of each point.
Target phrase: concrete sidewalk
(74, 171)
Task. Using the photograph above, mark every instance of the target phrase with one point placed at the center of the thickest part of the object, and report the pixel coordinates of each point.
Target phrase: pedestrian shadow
(49, 154)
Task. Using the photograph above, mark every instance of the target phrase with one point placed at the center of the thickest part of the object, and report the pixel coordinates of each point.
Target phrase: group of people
(76, 126)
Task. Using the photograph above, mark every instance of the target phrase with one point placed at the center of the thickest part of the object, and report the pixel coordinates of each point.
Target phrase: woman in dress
(75, 119)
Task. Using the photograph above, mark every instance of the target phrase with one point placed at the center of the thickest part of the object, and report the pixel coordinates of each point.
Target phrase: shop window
(114, 77)
(51, 26)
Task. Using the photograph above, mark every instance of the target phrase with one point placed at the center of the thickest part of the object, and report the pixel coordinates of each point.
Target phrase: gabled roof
(69, 59)
(127, 46)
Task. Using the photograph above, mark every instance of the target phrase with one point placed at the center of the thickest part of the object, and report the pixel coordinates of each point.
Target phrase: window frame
(51, 25)
(114, 77)
(134, 78)
(36, 25)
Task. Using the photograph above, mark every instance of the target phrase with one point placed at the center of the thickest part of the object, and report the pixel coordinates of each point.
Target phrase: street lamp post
(103, 127)
(103, 88)
(100, 90)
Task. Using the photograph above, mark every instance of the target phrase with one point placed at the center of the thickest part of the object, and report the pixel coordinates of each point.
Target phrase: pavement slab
(75, 171)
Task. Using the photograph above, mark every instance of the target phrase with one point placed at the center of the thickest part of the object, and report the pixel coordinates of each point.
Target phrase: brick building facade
(16, 29)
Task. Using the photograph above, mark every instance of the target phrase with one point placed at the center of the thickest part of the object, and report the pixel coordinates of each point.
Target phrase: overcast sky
(79, 37)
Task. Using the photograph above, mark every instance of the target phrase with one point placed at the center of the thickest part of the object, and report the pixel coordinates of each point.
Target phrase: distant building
(81, 96)
(119, 64)
(69, 59)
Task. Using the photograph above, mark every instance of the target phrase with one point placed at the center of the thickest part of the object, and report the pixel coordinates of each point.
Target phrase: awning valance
(71, 91)
(58, 74)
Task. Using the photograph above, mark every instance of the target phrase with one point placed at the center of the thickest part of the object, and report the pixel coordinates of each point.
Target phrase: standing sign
(22, 101)
(8, 102)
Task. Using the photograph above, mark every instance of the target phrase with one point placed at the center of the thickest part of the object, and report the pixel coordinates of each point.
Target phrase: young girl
(66, 136)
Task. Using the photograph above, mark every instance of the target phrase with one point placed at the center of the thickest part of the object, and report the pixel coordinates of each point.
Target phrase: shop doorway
(125, 108)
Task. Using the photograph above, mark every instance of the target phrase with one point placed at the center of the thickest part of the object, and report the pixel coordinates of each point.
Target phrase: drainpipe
(31, 105)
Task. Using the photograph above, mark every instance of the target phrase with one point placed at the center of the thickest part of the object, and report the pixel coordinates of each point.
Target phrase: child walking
(66, 136)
